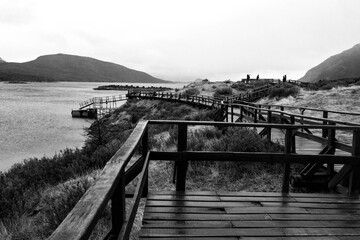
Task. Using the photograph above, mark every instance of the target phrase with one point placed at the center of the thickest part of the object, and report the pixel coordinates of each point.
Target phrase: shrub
(221, 92)
(240, 86)
(284, 90)
(191, 92)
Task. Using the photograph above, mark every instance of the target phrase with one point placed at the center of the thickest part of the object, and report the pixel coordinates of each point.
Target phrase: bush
(191, 92)
(284, 90)
(221, 92)
(240, 86)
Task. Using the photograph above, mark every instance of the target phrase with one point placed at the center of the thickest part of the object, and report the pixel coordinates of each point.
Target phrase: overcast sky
(184, 39)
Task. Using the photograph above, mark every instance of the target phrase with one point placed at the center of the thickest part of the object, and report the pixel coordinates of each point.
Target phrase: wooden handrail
(260, 125)
(80, 222)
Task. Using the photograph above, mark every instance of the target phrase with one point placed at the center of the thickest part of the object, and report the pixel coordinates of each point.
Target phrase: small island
(131, 87)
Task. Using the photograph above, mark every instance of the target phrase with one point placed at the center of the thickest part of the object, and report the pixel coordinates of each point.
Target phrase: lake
(35, 118)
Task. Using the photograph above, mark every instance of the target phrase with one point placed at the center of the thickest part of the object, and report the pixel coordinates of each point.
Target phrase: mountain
(340, 66)
(2, 60)
(63, 67)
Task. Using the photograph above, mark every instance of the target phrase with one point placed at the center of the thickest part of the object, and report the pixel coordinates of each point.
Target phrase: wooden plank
(198, 204)
(257, 199)
(191, 238)
(321, 231)
(311, 205)
(184, 210)
(279, 194)
(260, 157)
(277, 224)
(313, 217)
(248, 210)
(184, 198)
(188, 193)
(211, 232)
(186, 224)
(204, 217)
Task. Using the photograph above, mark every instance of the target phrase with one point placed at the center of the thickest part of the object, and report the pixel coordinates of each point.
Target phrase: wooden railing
(110, 186)
(102, 100)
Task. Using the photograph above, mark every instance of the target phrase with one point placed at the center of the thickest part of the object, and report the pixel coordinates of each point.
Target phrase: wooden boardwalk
(316, 142)
(250, 215)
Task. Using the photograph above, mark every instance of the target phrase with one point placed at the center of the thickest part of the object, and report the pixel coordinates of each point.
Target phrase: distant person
(257, 77)
(284, 78)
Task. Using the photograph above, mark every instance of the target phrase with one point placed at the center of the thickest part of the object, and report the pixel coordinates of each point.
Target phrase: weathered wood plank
(314, 217)
(311, 205)
(186, 224)
(204, 217)
(212, 232)
(249, 210)
(184, 210)
(184, 198)
(257, 199)
(198, 204)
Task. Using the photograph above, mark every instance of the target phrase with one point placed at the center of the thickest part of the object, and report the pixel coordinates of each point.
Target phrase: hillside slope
(63, 67)
(340, 66)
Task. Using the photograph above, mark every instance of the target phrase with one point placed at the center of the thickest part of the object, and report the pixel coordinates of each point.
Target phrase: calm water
(35, 118)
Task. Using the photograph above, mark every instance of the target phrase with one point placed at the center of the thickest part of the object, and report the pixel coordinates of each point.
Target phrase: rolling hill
(63, 67)
(341, 66)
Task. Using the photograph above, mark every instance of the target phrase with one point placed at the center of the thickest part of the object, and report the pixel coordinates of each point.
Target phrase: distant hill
(341, 66)
(63, 67)
(1, 60)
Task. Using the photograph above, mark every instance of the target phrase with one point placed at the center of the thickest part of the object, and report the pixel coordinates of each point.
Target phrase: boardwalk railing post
(118, 206)
(269, 128)
(286, 176)
(255, 115)
(331, 144)
(183, 164)
(145, 149)
(325, 131)
(241, 113)
(232, 113)
(354, 181)
(293, 145)
(226, 112)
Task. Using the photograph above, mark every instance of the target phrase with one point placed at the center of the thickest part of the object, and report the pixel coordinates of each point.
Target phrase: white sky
(184, 39)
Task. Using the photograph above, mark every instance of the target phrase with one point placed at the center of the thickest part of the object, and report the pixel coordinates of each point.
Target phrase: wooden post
(145, 149)
(232, 113)
(354, 181)
(183, 164)
(255, 115)
(269, 128)
(118, 206)
(227, 112)
(241, 113)
(286, 176)
(331, 143)
(293, 143)
(325, 131)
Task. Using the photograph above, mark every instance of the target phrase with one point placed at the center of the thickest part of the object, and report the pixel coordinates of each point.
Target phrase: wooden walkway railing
(110, 186)
(102, 102)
